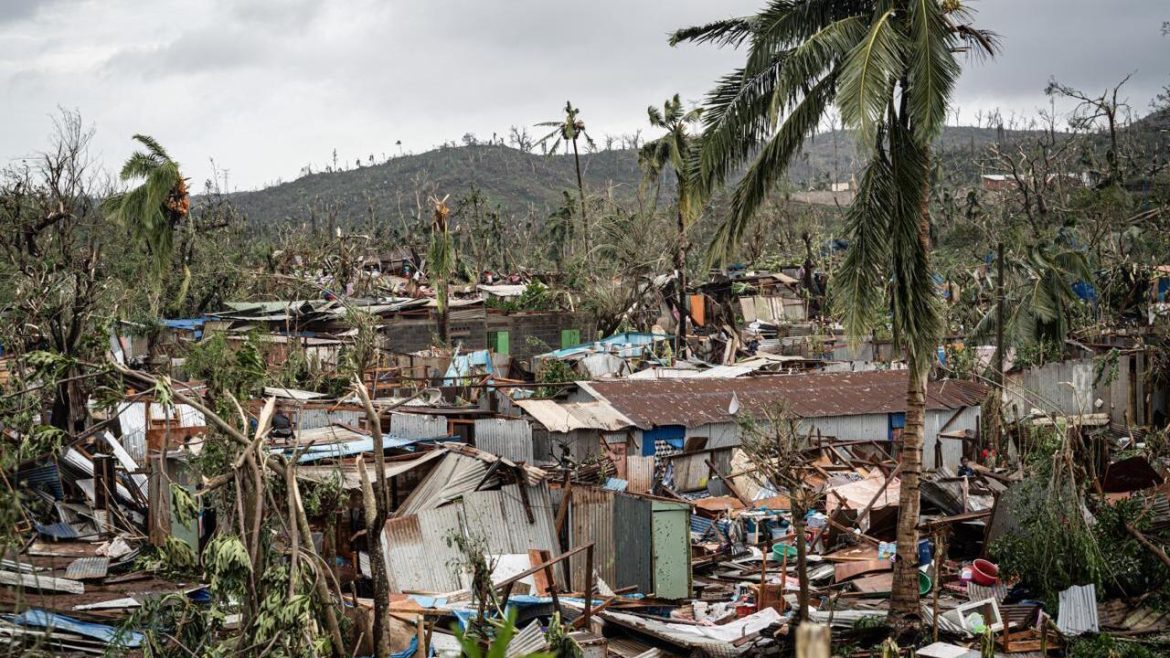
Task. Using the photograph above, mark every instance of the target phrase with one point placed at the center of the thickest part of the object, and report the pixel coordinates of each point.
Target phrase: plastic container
(778, 551)
(925, 584)
(984, 573)
(925, 552)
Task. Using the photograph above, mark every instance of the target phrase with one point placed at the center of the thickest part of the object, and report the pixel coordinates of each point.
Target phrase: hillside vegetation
(522, 183)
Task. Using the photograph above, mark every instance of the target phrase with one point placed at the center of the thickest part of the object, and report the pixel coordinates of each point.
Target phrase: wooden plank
(849, 570)
(881, 583)
(42, 583)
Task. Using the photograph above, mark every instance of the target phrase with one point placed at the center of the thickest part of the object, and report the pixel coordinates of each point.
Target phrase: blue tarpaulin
(626, 344)
(462, 366)
(108, 634)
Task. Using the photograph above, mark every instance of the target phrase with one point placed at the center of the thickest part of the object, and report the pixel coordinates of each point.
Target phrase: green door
(672, 550)
(570, 337)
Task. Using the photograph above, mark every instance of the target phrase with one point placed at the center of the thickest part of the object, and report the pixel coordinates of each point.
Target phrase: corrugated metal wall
(1068, 388)
(640, 473)
(591, 520)
(507, 438)
(634, 541)
(416, 547)
(418, 426)
(311, 419)
(417, 555)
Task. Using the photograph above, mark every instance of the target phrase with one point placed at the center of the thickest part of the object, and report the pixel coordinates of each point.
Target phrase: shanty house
(867, 406)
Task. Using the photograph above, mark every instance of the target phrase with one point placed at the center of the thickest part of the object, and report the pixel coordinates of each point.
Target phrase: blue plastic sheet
(108, 634)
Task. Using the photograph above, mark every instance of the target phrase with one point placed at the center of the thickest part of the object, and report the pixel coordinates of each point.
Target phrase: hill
(520, 182)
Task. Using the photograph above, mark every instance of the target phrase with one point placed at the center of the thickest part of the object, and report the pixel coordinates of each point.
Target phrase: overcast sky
(267, 86)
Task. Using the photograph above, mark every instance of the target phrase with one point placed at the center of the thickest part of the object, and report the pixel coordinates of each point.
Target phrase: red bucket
(984, 573)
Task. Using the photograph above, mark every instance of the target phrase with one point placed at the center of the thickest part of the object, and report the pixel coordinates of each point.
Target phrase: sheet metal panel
(634, 542)
(507, 438)
(418, 426)
(640, 473)
(456, 475)
(591, 520)
(417, 555)
(311, 419)
(672, 550)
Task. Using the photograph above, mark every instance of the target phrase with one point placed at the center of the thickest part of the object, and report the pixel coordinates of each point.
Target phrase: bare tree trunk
(444, 312)
(375, 522)
(801, 563)
(581, 190)
(680, 265)
(904, 598)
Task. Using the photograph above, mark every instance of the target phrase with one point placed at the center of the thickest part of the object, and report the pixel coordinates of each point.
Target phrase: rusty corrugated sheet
(591, 520)
(417, 555)
(640, 473)
(696, 402)
(510, 438)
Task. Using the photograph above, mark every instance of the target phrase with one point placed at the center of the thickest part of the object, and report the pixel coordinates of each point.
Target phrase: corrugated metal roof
(569, 416)
(695, 402)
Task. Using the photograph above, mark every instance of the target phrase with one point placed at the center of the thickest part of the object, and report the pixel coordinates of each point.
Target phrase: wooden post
(588, 584)
(997, 390)
(939, 550)
(812, 641)
(783, 581)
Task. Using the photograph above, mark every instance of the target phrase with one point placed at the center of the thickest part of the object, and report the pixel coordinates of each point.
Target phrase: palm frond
(868, 76)
(730, 32)
(770, 165)
(933, 69)
(859, 288)
(915, 307)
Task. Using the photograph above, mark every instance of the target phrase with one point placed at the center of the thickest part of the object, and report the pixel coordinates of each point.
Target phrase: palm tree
(1040, 295)
(889, 66)
(157, 205)
(674, 150)
(567, 132)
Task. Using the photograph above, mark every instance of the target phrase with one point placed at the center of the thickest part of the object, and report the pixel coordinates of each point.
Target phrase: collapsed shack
(610, 520)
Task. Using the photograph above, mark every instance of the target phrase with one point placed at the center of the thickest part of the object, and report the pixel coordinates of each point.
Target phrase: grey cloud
(205, 50)
(360, 74)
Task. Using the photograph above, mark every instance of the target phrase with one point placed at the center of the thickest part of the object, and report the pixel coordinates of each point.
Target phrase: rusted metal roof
(695, 402)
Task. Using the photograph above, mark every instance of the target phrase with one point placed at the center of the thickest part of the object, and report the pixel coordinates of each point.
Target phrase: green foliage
(498, 644)
(1107, 646)
(1037, 353)
(536, 297)
(226, 368)
(325, 497)
(554, 371)
(154, 208)
(174, 558)
(1053, 547)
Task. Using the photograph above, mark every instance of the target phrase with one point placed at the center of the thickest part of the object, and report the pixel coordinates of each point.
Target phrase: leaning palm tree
(156, 207)
(890, 67)
(566, 132)
(673, 150)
